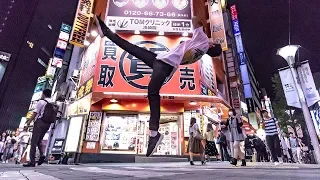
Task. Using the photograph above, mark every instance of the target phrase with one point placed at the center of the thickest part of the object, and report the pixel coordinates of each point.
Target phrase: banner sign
(307, 83)
(118, 71)
(61, 46)
(93, 128)
(58, 146)
(241, 53)
(89, 60)
(207, 73)
(81, 22)
(150, 15)
(85, 89)
(218, 32)
(289, 88)
(4, 56)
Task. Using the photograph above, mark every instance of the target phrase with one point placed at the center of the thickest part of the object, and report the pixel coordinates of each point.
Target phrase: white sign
(289, 88)
(73, 136)
(64, 36)
(62, 44)
(307, 83)
(57, 62)
(149, 24)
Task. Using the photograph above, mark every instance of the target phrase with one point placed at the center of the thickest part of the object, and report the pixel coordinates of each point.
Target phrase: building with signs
(28, 32)
(110, 116)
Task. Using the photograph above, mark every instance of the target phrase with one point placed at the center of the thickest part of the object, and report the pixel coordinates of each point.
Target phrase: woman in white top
(211, 148)
(195, 141)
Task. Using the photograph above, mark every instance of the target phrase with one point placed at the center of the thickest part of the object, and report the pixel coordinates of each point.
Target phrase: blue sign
(65, 28)
(204, 89)
(242, 58)
(59, 53)
(236, 27)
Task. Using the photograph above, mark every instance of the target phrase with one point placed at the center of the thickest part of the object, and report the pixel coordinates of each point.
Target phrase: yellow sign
(85, 89)
(81, 22)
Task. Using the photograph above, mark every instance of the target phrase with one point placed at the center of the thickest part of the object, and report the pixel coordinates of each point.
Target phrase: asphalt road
(161, 171)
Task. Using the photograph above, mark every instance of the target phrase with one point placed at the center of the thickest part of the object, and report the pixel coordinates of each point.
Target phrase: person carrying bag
(195, 141)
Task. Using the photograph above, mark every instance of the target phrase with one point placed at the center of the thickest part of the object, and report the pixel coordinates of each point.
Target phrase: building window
(221, 88)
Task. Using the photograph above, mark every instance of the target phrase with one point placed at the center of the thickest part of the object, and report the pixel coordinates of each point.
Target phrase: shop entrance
(128, 134)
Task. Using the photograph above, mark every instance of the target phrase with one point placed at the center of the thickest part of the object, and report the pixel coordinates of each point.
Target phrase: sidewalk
(161, 171)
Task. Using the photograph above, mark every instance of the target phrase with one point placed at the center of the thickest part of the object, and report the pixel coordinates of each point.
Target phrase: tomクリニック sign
(150, 15)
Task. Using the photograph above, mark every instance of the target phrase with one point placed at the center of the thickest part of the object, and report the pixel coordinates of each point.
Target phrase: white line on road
(25, 175)
(138, 174)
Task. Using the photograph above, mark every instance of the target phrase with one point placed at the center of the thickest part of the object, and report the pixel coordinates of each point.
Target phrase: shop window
(221, 87)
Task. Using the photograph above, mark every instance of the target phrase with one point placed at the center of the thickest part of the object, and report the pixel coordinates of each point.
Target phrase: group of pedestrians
(13, 145)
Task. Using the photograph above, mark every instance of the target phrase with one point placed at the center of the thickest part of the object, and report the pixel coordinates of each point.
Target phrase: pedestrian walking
(43, 116)
(234, 124)
(211, 149)
(284, 147)
(2, 144)
(11, 140)
(23, 140)
(164, 65)
(295, 148)
(223, 145)
(272, 130)
(195, 145)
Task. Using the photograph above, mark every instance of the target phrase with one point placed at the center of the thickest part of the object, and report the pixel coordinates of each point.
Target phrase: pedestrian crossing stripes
(136, 173)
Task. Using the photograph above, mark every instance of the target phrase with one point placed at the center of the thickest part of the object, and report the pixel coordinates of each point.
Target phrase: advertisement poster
(84, 104)
(289, 88)
(217, 24)
(93, 128)
(73, 135)
(89, 61)
(150, 15)
(120, 133)
(117, 71)
(207, 73)
(307, 83)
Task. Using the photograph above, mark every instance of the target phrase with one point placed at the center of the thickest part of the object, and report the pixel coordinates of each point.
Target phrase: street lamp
(288, 53)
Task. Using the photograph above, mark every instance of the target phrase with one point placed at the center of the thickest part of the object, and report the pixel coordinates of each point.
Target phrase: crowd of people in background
(233, 144)
(13, 144)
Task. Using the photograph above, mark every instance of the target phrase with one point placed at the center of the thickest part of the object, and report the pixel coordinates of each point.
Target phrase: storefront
(116, 124)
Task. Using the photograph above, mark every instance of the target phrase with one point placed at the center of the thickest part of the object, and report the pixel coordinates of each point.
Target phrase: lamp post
(288, 53)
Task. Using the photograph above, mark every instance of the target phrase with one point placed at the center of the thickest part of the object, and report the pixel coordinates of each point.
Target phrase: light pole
(288, 53)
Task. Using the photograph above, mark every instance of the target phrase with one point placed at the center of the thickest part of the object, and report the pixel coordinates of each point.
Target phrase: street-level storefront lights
(136, 32)
(161, 33)
(193, 103)
(113, 100)
(185, 34)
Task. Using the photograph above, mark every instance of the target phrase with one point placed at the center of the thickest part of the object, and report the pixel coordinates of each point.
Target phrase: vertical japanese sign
(81, 22)
(207, 75)
(218, 33)
(290, 91)
(150, 15)
(307, 83)
(93, 128)
(118, 71)
(61, 46)
(241, 54)
(89, 60)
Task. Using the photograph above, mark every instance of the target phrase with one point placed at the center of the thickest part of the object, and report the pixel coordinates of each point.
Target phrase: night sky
(264, 28)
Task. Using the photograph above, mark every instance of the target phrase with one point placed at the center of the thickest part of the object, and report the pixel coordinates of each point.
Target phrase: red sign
(234, 13)
(118, 71)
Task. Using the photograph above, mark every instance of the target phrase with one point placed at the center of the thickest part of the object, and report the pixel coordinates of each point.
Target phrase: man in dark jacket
(222, 141)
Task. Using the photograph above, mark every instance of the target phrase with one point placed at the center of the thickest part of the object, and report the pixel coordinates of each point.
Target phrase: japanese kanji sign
(118, 71)
(150, 15)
